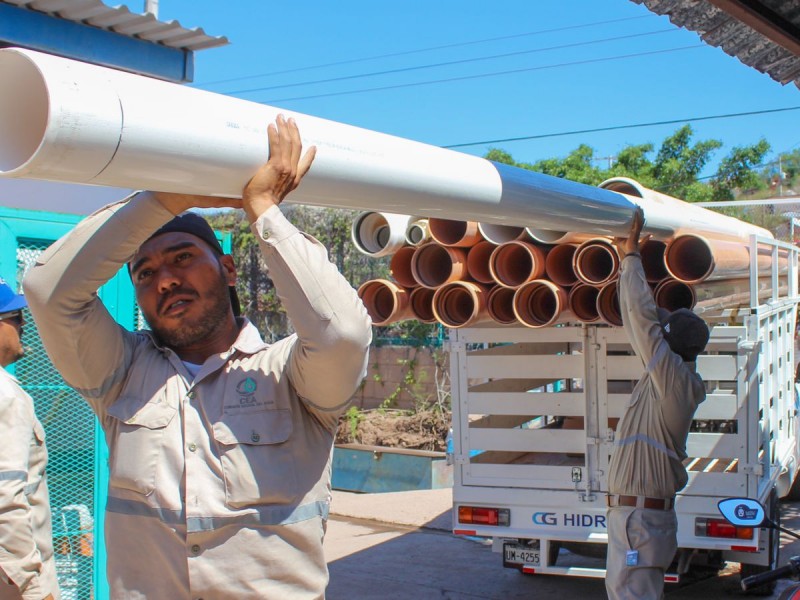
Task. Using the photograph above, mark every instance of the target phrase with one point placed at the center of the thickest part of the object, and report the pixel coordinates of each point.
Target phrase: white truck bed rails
(534, 413)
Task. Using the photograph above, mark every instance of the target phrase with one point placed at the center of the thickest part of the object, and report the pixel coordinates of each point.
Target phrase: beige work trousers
(47, 580)
(652, 535)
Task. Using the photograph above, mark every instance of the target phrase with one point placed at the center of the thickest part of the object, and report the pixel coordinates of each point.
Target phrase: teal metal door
(78, 458)
(77, 467)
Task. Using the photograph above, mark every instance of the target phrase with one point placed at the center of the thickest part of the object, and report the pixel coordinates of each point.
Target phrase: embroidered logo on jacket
(246, 398)
(247, 386)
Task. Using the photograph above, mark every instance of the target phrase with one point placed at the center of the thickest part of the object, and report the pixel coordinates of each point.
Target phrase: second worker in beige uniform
(27, 564)
(219, 443)
(646, 469)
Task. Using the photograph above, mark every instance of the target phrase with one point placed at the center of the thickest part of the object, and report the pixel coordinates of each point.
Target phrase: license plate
(520, 555)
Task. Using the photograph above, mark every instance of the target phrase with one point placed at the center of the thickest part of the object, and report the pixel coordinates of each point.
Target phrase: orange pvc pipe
(461, 234)
(433, 265)
(541, 303)
(515, 263)
(716, 296)
(582, 302)
(596, 261)
(400, 267)
(558, 264)
(694, 258)
(421, 302)
(478, 262)
(460, 304)
(671, 294)
(652, 252)
(500, 234)
(608, 304)
(547, 236)
(500, 304)
(385, 301)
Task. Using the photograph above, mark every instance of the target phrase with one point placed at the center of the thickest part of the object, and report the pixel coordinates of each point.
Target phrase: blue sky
(669, 73)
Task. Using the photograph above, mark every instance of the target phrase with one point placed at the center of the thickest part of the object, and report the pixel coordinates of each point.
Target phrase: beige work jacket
(219, 486)
(650, 443)
(26, 543)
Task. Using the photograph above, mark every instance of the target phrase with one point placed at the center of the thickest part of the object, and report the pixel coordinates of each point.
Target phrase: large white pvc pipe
(680, 216)
(67, 121)
(63, 120)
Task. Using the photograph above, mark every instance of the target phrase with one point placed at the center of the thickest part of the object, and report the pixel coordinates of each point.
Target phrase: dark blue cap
(196, 225)
(685, 332)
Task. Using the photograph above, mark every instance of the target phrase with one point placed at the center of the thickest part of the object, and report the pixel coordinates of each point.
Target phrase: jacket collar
(249, 340)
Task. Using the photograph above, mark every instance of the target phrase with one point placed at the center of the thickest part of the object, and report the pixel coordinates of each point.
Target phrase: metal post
(151, 6)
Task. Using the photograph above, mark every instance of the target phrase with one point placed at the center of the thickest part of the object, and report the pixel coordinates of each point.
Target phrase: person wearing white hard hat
(27, 567)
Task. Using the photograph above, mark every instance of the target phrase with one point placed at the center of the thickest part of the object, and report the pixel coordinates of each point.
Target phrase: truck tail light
(720, 528)
(475, 515)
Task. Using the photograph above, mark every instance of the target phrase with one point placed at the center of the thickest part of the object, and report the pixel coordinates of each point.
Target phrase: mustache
(167, 298)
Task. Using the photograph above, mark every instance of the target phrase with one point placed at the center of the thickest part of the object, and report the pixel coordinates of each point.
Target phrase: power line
(452, 62)
(618, 127)
(482, 75)
(421, 50)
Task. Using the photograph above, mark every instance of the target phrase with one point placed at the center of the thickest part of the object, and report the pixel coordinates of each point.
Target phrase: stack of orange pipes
(464, 273)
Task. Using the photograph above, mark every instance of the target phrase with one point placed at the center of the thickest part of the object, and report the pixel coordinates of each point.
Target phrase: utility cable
(452, 62)
(421, 50)
(618, 127)
(482, 75)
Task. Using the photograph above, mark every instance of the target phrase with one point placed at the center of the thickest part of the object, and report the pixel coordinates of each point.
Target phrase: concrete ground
(400, 546)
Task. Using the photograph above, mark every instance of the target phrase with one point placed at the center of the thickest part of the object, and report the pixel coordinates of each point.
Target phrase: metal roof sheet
(121, 20)
(737, 37)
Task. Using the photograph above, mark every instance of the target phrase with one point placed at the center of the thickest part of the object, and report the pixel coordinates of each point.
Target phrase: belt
(640, 502)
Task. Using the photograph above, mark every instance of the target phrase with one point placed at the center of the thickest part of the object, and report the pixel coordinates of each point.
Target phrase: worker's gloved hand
(631, 244)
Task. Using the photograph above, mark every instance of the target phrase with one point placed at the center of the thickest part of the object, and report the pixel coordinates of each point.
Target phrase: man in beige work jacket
(27, 567)
(219, 444)
(646, 469)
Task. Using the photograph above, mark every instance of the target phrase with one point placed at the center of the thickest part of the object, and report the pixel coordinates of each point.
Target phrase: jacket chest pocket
(138, 444)
(257, 459)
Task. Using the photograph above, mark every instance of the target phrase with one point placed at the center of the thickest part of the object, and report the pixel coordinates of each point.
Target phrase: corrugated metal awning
(121, 20)
(763, 34)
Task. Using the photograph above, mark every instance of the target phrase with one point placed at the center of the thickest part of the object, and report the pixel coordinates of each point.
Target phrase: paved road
(369, 559)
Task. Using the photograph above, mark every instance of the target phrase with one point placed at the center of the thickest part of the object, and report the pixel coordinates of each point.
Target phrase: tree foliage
(257, 294)
(674, 168)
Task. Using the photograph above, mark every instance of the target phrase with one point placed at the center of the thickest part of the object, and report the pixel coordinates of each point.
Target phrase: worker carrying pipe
(646, 469)
(219, 444)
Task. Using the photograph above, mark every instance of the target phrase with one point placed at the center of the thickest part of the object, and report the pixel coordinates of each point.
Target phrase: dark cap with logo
(685, 332)
(196, 225)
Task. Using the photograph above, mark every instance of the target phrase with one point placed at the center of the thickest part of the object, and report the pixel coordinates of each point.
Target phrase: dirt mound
(421, 430)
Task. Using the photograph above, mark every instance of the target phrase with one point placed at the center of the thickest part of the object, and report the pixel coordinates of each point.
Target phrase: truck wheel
(552, 555)
(794, 491)
(774, 552)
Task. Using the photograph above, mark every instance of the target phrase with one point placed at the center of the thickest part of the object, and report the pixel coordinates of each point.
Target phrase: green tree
(577, 166)
(737, 171)
(632, 162)
(257, 294)
(674, 170)
(678, 162)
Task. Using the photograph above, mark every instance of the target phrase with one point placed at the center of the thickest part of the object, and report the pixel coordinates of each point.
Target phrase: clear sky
(501, 70)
